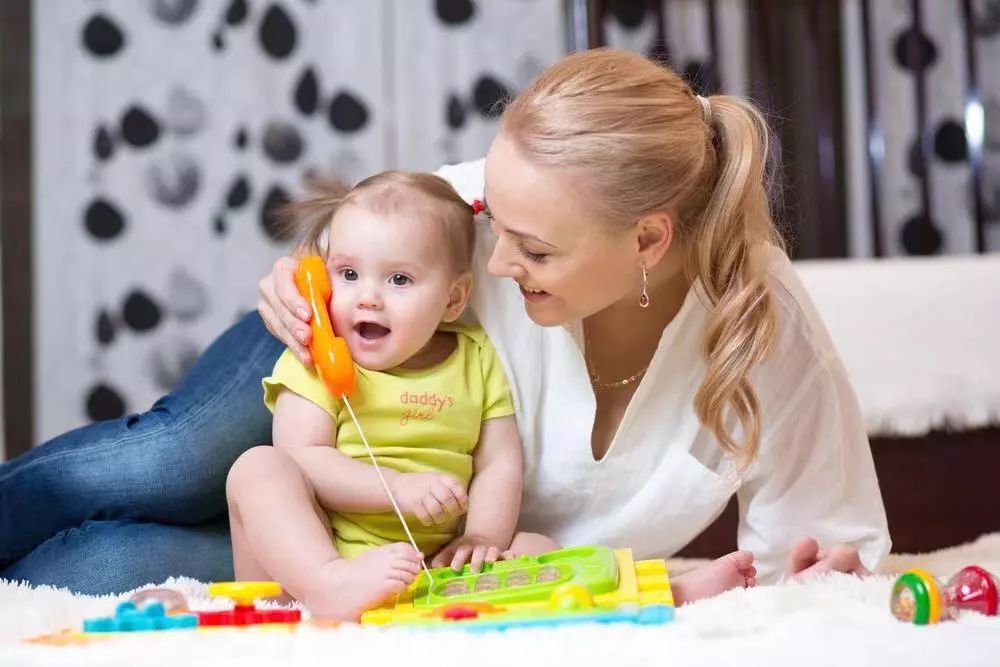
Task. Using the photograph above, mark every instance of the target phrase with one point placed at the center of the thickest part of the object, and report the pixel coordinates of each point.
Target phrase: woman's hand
(807, 559)
(285, 313)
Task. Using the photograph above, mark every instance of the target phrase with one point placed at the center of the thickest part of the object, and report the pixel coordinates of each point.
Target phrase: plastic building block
(129, 618)
(173, 602)
(243, 593)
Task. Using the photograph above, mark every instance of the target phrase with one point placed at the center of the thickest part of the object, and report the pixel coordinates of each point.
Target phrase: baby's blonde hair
(640, 140)
(385, 194)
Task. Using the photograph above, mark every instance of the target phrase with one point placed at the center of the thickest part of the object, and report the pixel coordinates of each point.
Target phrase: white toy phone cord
(385, 485)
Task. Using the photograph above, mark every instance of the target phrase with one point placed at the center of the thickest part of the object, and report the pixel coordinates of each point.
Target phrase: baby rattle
(919, 598)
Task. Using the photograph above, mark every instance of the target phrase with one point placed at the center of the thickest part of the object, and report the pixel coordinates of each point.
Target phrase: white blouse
(663, 479)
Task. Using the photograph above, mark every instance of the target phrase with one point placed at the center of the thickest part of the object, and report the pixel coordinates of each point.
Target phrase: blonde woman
(661, 352)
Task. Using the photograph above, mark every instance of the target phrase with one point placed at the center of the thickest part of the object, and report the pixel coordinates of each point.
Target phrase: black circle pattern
(271, 222)
(239, 193)
(241, 138)
(920, 236)
(103, 402)
(307, 92)
(140, 312)
(454, 12)
(282, 142)
(102, 220)
(102, 37)
(347, 113)
(237, 12)
(104, 146)
(914, 50)
(277, 33)
(949, 142)
(139, 128)
(105, 329)
(455, 113)
(630, 13)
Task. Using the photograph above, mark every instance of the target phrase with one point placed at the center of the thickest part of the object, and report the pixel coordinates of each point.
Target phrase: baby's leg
(245, 566)
(276, 531)
(283, 533)
(733, 570)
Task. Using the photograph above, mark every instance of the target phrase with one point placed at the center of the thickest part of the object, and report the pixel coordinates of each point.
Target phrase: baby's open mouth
(371, 330)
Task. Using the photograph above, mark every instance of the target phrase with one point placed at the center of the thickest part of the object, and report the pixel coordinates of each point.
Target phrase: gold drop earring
(644, 297)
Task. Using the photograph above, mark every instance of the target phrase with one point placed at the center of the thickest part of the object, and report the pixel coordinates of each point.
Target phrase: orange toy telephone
(329, 352)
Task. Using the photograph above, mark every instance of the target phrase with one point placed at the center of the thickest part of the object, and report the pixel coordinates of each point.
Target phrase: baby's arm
(308, 434)
(494, 498)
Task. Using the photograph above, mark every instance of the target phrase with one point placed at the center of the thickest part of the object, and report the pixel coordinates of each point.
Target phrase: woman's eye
(531, 256)
(399, 280)
(349, 275)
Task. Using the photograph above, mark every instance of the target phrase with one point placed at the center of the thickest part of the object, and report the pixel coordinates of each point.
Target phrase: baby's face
(392, 285)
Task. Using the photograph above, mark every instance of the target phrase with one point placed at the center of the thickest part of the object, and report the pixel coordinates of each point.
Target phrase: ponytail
(308, 218)
(728, 256)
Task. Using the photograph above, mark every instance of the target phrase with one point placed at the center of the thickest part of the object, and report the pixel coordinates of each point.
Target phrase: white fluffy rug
(835, 620)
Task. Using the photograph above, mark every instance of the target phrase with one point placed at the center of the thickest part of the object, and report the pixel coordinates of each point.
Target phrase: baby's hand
(468, 548)
(429, 496)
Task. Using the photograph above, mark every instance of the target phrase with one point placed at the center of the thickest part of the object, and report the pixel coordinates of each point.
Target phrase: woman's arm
(814, 478)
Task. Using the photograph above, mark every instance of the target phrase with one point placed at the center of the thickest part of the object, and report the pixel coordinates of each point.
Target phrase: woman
(661, 352)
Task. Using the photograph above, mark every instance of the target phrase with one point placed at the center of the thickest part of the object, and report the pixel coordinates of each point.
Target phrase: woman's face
(567, 265)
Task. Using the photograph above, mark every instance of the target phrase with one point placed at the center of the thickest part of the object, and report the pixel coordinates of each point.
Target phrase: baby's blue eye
(349, 275)
(399, 280)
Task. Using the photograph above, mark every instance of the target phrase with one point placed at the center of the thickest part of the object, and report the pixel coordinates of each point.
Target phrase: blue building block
(128, 618)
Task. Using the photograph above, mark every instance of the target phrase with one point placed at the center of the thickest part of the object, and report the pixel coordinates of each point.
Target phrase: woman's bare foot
(807, 560)
(733, 570)
(346, 587)
(530, 544)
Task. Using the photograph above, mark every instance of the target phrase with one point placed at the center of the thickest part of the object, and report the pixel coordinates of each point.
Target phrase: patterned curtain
(168, 130)
(934, 102)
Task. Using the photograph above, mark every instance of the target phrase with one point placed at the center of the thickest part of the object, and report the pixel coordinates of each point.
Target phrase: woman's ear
(654, 236)
(458, 296)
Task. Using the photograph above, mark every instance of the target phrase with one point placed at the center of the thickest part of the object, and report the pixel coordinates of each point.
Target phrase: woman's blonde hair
(387, 193)
(634, 132)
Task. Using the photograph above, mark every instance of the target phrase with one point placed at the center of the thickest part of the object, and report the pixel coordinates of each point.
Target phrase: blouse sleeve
(814, 477)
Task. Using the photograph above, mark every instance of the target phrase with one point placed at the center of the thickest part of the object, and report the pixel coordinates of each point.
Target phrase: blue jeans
(125, 502)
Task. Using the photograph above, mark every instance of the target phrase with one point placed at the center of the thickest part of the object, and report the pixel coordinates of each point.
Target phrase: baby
(431, 397)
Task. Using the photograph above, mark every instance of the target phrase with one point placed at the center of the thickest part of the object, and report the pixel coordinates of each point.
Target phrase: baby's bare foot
(345, 588)
(733, 570)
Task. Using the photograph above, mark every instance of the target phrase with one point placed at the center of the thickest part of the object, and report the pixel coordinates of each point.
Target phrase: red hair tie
(478, 206)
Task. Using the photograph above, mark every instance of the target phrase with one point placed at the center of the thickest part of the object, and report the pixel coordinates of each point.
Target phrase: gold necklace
(595, 378)
(596, 381)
